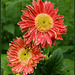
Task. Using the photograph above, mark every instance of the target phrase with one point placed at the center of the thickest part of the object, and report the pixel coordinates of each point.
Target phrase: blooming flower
(43, 23)
(22, 57)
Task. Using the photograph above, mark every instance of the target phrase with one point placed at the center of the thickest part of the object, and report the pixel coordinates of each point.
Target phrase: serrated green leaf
(68, 66)
(10, 28)
(54, 63)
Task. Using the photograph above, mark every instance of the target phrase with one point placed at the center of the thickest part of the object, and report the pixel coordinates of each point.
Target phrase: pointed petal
(41, 6)
(42, 38)
(29, 32)
(30, 38)
(38, 38)
(59, 37)
(49, 41)
(36, 6)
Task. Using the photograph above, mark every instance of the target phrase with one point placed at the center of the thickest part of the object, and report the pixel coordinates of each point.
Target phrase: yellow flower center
(25, 55)
(43, 22)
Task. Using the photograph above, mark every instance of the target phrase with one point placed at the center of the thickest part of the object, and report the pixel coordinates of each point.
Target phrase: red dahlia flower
(23, 57)
(43, 23)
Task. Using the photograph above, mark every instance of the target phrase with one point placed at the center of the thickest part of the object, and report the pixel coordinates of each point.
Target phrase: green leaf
(9, 28)
(54, 63)
(68, 66)
(68, 56)
(4, 65)
(65, 48)
(71, 72)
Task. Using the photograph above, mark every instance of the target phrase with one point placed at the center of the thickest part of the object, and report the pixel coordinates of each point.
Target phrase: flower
(43, 23)
(22, 57)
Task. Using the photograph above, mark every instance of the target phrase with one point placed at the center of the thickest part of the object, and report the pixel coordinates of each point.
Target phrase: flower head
(22, 57)
(43, 23)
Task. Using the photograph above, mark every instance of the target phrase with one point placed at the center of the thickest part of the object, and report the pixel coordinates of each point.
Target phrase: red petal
(41, 7)
(32, 10)
(23, 18)
(44, 43)
(53, 12)
(30, 38)
(61, 17)
(38, 38)
(59, 37)
(24, 29)
(51, 8)
(30, 7)
(51, 34)
(29, 32)
(53, 41)
(49, 41)
(34, 36)
(21, 23)
(45, 7)
(61, 26)
(28, 14)
(42, 38)
(36, 6)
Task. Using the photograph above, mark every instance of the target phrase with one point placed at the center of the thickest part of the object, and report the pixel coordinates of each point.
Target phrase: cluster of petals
(33, 34)
(13, 56)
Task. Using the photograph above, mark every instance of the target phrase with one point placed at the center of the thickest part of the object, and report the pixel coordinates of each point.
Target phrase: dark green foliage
(54, 63)
(68, 66)
(59, 57)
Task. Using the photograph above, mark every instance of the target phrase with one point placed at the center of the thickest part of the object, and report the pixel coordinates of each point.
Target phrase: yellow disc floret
(43, 22)
(25, 55)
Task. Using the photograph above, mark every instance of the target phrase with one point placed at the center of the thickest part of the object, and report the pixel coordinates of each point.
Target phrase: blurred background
(11, 15)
